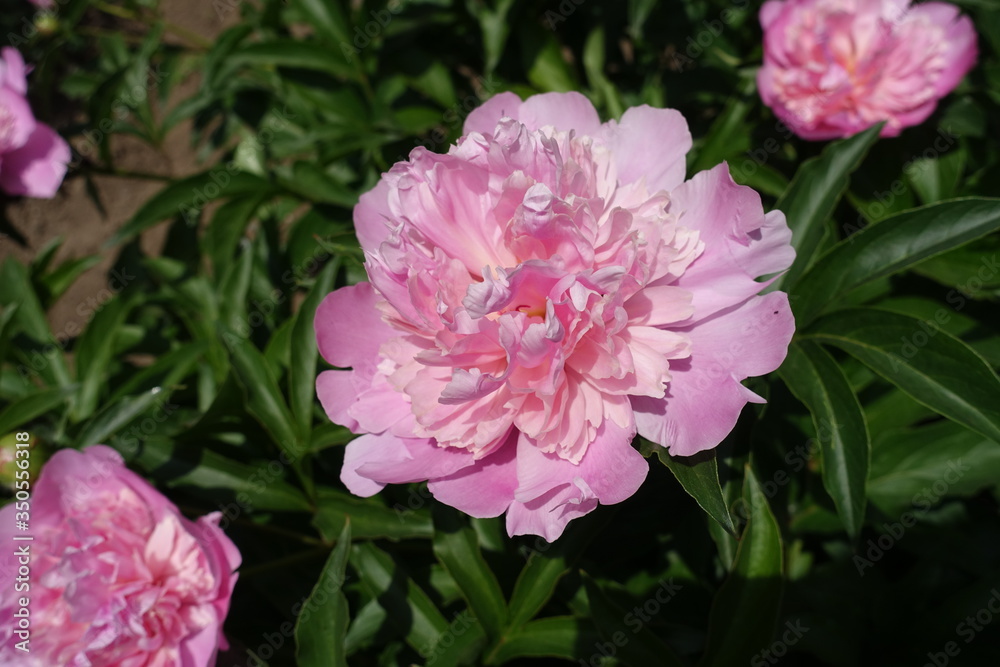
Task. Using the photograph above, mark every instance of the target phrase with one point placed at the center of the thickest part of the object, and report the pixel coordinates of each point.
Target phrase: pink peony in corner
(33, 158)
(118, 577)
(538, 295)
(835, 67)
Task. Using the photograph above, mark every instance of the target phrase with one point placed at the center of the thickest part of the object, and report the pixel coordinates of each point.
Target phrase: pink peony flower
(118, 578)
(539, 294)
(33, 158)
(835, 67)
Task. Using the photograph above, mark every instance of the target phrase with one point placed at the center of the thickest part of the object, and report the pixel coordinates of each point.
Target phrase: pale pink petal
(611, 467)
(563, 111)
(747, 244)
(484, 489)
(349, 329)
(649, 144)
(484, 118)
(705, 397)
(337, 392)
(548, 514)
(13, 73)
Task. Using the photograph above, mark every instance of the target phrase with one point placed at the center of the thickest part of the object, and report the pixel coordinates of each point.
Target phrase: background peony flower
(835, 67)
(118, 577)
(539, 294)
(33, 158)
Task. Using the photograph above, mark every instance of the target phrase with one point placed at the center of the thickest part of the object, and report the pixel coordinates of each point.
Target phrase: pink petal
(13, 73)
(611, 468)
(337, 393)
(349, 328)
(485, 117)
(37, 168)
(705, 397)
(744, 244)
(484, 489)
(549, 514)
(649, 144)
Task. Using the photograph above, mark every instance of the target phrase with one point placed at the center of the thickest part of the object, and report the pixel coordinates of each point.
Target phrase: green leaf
(457, 548)
(188, 196)
(407, 605)
(745, 610)
(24, 410)
(302, 372)
(327, 18)
(320, 634)
(548, 563)
(315, 185)
(816, 380)
(556, 637)
(60, 279)
(293, 53)
(370, 519)
(547, 69)
(699, 476)
(813, 194)
(937, 178)
(909, 466)
(890, 246)
(233, 291)
(642, 646)
(254, 487)
(166, 371)
(935, 368)
(16, 289)
(118, 415)
(495, 25)
(728, 134)
(223, 234)
(94, 352)
(264, 399)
